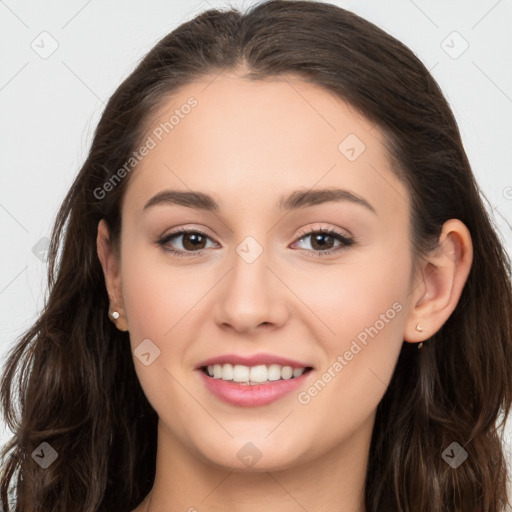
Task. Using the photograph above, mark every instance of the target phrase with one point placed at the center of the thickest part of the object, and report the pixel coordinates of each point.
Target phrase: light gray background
(50, 105)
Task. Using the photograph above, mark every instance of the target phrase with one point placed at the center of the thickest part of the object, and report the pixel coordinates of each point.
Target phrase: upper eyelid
(336, 231)
(300, 234)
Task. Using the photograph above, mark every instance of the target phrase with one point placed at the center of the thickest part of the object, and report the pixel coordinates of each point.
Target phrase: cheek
(156, 300)
(156, 294)
(351, 296)
(146, 299)
(162, 301)
(364, 309)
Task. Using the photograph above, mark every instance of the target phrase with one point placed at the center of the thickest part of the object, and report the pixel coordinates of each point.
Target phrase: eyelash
(346, 241)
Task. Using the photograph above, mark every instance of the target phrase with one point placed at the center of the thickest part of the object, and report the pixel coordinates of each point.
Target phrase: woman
(273, 286)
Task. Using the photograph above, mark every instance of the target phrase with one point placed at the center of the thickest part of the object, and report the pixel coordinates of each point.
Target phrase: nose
(250, 297)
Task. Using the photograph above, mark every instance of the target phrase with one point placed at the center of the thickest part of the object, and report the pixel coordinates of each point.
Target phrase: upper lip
(252, 360)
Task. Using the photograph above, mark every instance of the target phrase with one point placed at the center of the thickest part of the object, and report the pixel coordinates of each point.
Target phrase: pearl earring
(113, 316)
(419, 328)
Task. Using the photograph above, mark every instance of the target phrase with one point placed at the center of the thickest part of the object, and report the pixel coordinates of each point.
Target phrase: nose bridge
(251, 294)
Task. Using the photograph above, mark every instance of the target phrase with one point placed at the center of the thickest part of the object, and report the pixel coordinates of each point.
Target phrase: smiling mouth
(253, 375)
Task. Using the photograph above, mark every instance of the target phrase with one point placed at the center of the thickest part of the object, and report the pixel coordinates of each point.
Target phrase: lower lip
(247, 395)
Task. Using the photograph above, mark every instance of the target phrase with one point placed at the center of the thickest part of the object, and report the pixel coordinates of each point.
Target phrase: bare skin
(247, 144)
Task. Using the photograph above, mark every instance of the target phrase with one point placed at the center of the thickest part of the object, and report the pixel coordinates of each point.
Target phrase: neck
(332, 481)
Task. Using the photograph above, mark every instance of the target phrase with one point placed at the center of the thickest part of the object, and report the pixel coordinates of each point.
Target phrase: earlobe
(111, 271)
(442, 277)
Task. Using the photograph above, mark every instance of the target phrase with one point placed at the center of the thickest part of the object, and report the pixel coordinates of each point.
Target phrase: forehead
(236, 138)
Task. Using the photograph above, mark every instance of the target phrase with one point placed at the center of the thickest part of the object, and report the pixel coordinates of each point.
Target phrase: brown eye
(323, 240)
(192, 241)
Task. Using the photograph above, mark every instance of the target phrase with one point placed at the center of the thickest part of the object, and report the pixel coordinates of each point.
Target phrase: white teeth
(297, 372)
(274, 372)
(227, 372)
(258, 373)
(240, 373)
(253, 374)
(287, 372)
(217, 371)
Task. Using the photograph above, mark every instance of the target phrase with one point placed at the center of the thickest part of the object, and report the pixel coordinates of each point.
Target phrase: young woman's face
(261, 288)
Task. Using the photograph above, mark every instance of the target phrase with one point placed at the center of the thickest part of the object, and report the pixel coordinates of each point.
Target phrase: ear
(439, 282)
(110, 263)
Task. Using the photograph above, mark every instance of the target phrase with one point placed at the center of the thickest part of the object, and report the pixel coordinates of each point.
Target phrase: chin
(258, 455)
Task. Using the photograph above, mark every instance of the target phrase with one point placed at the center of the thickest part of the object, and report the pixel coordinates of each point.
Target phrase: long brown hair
(70, 380)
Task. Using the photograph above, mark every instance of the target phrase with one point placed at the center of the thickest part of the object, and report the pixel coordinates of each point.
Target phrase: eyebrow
(294, 201)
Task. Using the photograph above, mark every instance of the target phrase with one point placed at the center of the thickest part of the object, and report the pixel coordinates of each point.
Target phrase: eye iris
(195, 239)
(322, 245)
